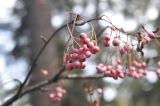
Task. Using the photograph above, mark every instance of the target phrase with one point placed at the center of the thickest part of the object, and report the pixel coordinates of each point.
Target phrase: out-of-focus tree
(128, 15)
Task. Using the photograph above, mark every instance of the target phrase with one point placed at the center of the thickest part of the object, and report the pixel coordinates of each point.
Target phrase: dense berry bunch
(77, 57)
(111, 71)
(137, 69)
(57, 95)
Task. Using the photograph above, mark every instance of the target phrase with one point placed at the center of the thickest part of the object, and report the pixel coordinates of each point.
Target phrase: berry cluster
(78, 56)
(158, 69)
(57, 95)
(137, 69)
(111, 71)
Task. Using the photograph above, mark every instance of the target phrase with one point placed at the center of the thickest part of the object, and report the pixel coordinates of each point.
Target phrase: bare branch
(53, 80)
(82, 77)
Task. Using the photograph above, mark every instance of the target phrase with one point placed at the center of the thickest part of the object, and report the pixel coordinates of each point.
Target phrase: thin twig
(68, 77)
(18, 94)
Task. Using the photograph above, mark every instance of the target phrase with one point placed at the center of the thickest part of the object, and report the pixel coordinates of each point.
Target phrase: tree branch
(52, 80)
(55, 78)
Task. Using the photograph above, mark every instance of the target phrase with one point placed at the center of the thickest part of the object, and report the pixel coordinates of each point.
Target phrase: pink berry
(85, 47)
(135, 75)
(94, 42)
(83, 36)
(69, 66)
(139, 65)
(98, 67)
(86, 40)
(95, 49)
(116, 42)
(75, 51)
(131, 68)
(44, 72)
(90, 45)
(106, 44)
(100, 90)
(121, 75)
(103, 68)
(127, 47)
(59, 95)
(119, 61)
(151, 35)
(88, 54)
(107, 37)
(81, 58)
(80, 50)
(74, 56)
(76, 64)
(109, 67)
(122, 51)
(143, 64)
(134, 63)
(82, 65)
(51, 95)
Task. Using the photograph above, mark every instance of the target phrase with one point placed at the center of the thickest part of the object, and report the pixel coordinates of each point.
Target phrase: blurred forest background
(22, 22)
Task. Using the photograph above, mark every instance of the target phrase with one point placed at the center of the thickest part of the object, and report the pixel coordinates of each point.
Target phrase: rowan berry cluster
(134, 68)
(77, 57)
(57, 95)
(137, 69)
(111, 71)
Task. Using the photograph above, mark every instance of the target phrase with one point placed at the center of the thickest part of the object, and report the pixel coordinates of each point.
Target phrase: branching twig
(52, 80)
(19, 93)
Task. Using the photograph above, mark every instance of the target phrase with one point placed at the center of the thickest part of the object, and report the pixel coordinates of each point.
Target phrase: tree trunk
(39, 14)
